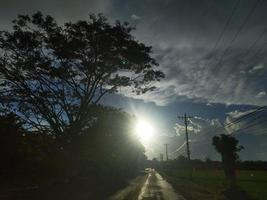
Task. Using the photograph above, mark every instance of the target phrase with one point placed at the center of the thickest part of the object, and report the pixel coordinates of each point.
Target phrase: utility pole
(185, 118)
(167, 158)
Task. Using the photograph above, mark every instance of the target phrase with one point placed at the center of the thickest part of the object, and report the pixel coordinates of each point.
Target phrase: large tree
(112, 147)
(228, 147)
(50, 74)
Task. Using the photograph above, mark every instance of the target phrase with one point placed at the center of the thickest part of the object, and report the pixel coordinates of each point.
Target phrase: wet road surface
(156, 188)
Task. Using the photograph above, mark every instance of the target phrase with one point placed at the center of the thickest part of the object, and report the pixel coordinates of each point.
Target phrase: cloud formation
(135, 17)
(247, 122)
(183, 34)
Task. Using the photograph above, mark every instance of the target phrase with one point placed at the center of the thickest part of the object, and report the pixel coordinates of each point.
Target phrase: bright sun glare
(144, 130)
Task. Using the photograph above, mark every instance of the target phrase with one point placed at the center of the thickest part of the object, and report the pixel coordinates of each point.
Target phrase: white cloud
(261, 94)
(135, 17)
(215, 122)
(249, 123)
(188, 76)
(179, 129)
(256, 68)
(196, 125)
(236, 114)
(182, 47)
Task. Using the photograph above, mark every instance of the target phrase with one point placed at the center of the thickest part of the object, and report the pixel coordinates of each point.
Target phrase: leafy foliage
(51, 73)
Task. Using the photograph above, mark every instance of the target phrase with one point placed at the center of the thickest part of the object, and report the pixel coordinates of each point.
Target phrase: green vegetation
(210, 184)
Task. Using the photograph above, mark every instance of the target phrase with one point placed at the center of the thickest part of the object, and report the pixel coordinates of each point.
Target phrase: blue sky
(216, 79)
(209, 121)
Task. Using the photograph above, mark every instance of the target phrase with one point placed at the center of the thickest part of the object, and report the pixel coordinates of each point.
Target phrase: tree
(228, 147)
(22, 151)
(11, 132)
(109, 149)
(51, 74)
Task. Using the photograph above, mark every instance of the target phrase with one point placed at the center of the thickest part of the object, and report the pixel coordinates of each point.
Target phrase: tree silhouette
(51, 74)
(102, 158)
(228, 147)
(10, 136)
(110, 144)
(21, 151)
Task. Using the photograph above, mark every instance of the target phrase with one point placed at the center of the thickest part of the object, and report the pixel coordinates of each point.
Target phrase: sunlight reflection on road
(156, 188)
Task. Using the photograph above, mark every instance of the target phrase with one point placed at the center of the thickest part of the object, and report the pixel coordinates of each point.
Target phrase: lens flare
(144, 130)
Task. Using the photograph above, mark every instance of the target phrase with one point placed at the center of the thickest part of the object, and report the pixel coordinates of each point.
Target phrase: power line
(240, 129)
(235, 37)
(256, 41)
(238, 31)
(228, 21)
(260, 49)
(225, 26)
(235, 121)
(254, 124)
(260, 36)
(179, 148)
(243, 117)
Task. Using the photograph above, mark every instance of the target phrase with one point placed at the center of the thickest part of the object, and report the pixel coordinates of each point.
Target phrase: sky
(213, 54)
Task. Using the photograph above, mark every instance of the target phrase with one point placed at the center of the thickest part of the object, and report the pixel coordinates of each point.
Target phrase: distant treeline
(252, 165)
(182, 163)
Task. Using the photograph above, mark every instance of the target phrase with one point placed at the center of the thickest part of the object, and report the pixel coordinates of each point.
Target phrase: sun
(144, 130)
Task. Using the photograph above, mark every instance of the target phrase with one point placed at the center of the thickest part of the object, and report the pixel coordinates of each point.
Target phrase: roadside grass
(210, 184)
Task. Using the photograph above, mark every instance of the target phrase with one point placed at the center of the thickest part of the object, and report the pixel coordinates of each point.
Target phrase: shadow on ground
(236, 193)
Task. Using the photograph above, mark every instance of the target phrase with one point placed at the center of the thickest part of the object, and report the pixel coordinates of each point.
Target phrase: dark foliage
(236, 193)
(228, 147)
(51, 74)
(252, 165)
(11, 135)
(109, 146)
(23, 153)
(182, 163)
(95, 163)
(51, 79)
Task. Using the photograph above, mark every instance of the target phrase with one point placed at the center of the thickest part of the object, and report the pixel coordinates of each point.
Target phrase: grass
(210, 184)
